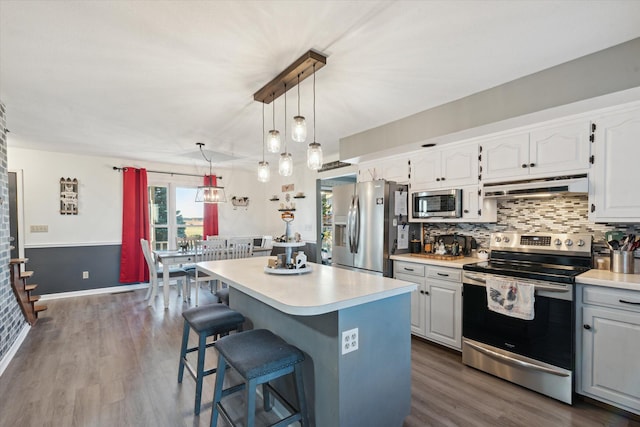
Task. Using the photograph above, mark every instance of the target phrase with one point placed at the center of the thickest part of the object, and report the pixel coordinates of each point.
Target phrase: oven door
(547, 338)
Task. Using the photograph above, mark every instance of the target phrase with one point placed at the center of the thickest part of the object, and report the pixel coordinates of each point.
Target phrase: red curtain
(210, 226)
(135, 225)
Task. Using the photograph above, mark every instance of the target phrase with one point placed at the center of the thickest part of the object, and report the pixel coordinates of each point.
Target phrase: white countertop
(609, 279)
(456, 263)
(324, 290)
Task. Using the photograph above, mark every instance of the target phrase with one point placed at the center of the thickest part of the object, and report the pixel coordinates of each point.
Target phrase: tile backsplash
(559, 214)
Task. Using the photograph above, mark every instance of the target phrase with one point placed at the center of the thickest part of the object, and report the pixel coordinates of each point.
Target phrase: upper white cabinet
(391, 169)
(615, 196)
(560, 149)
(445, 168)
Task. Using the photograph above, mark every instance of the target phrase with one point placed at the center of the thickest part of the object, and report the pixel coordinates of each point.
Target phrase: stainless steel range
(537, 353)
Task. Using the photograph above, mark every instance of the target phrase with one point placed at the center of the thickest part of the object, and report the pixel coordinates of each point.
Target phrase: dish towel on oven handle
(511, 298)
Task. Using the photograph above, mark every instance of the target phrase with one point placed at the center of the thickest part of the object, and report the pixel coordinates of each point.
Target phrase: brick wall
(11, 318)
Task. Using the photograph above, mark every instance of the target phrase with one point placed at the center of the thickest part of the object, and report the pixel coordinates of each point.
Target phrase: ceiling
(147, 80)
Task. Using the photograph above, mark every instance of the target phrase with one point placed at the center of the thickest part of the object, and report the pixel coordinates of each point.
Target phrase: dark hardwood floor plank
(109, 360)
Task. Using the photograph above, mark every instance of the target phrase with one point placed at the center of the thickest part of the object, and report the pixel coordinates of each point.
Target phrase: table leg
(165, 284)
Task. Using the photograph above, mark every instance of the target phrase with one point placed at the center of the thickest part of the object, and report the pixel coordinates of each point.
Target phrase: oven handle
(538, 287)
(517, 362)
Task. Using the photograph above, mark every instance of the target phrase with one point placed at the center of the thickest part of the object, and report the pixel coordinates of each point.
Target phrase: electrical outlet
(85, 274)
(349, 340)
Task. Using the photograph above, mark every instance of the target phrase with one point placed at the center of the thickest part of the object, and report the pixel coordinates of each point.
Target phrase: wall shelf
(286, 210)
(274, 200)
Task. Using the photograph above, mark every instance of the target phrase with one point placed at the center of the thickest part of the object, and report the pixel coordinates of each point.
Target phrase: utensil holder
(622, 262)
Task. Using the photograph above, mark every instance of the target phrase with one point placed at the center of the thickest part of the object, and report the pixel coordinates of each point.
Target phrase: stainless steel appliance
(366, 220)
(539, 353)
(436, 204)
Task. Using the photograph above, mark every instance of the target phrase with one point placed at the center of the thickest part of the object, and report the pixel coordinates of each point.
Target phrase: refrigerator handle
(356, 233)
(350, 225)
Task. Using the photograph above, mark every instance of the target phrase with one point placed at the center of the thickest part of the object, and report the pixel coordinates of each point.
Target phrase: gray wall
(516, 103)
(11, 319)
(60, 269)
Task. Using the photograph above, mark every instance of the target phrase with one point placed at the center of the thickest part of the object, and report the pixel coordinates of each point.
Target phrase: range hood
(544, 187)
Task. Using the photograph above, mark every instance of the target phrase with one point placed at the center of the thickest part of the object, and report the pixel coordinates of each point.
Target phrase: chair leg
(197, 291)
(302, 401)
(202, 349)
(183, 350)
(154, 291)
(250, 399)
(185, 293)
(217, 394)
(266, 397)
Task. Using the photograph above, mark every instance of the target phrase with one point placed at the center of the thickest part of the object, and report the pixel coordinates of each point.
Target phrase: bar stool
(258, 356)
(206, 321)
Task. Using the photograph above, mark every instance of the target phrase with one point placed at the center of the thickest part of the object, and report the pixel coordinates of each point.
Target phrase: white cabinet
(443, 311)
(609, 345)
(615, 194)
(436, 307)
(391, 169)
(411, 272)
(561, 149)
(445, 168)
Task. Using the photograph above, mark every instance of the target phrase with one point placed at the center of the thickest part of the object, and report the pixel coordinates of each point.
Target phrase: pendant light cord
(299, 93)
(263, 132)
(285, 117)
(314, 102)
(273, 109)
(200, 144)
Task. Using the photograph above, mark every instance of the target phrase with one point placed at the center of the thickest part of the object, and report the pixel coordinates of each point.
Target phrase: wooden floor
(109, 360)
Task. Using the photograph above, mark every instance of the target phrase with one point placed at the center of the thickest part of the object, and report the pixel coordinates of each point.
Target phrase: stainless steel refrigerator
(366, 219)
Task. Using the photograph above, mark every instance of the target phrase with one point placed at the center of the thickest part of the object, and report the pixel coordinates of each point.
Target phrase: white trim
(97, 291)
(14, 347)
(70, 245)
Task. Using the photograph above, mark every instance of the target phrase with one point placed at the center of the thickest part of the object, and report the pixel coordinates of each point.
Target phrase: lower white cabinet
(436, 306)
(609, 346)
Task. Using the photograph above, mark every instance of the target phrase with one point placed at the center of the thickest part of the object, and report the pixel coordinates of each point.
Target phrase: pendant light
(264, 173)
(285, 165)
(209, 193)
(299, 127)
(314, 152)
(274, 135)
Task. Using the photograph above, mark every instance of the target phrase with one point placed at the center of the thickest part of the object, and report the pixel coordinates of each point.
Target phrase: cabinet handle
(593, 207)
(524, 166)
(438, 179)
(532, 165)
(426, 292)
(466, 211)
(587, 327)
(443, 274)
(629, 302)
(442, 178)
(408, 269)
(422, 292)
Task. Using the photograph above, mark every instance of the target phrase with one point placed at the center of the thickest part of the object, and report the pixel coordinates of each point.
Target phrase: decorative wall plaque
(68, 196)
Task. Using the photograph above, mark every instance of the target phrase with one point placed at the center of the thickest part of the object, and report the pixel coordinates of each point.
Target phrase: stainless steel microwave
(436, 204)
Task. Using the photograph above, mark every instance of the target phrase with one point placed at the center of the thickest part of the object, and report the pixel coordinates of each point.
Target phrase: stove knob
(498, 239)
(506, 240)
(568, 242)
(557, 242)
(580, 242)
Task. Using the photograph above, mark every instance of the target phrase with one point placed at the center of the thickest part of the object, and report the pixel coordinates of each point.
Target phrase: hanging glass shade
(285, 166)
(264, 173)
(314, 156)
(299, 129)
(273, 141)
(211, 194)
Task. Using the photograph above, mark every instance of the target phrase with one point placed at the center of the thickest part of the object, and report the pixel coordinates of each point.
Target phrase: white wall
(100, 197)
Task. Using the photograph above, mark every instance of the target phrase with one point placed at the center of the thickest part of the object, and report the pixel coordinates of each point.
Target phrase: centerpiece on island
(287, 263)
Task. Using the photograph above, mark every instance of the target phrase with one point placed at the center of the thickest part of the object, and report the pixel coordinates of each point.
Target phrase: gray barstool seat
(207, 320)
(258, 356)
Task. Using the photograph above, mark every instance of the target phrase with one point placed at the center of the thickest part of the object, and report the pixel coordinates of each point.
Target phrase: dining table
(169, 258)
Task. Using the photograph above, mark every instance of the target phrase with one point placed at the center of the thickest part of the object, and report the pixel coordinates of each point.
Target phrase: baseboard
(97, 291)
(14, 348)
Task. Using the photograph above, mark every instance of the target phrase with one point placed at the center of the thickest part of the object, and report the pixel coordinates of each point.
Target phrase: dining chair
(218, 241)
(155, 273)
(207, 252)
(240, 247)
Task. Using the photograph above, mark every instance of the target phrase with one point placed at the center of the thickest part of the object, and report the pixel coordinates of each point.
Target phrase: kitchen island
(370, 386)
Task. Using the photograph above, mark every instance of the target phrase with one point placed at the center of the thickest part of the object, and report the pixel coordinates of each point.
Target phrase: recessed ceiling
(147, 80)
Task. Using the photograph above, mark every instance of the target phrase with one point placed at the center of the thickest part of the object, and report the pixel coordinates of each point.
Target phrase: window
(186, 222)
